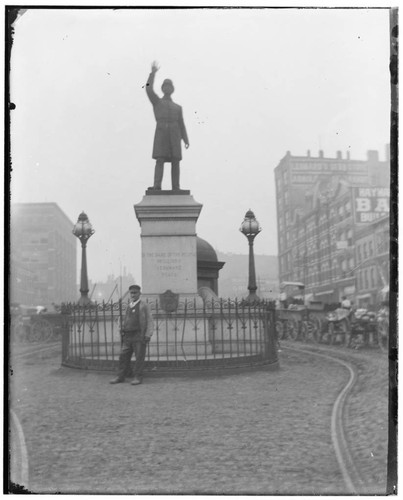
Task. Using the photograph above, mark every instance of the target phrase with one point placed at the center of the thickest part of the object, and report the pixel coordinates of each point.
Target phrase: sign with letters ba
(370, 203)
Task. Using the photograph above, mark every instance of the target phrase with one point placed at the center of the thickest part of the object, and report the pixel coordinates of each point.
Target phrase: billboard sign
(310, 172)
(370, 203)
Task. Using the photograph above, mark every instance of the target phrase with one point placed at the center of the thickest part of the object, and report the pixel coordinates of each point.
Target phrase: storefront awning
(326, 292)
(292, 283)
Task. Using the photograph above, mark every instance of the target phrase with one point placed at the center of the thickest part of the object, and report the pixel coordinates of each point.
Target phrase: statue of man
(169, 132)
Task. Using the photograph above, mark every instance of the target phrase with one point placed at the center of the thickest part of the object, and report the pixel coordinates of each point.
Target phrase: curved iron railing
(197, 335)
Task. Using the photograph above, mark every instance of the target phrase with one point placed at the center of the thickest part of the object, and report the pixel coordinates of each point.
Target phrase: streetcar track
(19, 461)
(37, 350)
(19, 454)
(351, 475)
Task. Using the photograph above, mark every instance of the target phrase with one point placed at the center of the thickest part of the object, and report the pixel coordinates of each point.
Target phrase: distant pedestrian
(345, 303)
(136, 331)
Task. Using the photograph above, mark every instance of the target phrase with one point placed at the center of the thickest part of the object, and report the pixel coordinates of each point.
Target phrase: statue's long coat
(170, 125)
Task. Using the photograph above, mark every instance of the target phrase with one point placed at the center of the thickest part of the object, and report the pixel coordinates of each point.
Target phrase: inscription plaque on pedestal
(168, 242)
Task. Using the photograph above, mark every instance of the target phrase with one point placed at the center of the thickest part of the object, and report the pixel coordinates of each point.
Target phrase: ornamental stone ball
(169, 132)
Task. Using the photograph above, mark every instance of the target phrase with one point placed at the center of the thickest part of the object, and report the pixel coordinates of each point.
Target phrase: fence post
(65, 333)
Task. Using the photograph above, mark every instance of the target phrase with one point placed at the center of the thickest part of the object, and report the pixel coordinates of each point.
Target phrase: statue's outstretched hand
(186, 145)
(154, 67)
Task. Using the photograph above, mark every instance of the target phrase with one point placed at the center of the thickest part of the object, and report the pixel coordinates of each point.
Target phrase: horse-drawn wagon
(34, 324)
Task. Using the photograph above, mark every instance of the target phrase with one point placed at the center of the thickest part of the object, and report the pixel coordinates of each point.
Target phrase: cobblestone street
(259, 432)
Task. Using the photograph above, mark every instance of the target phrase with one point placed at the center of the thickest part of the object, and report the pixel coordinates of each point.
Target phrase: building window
(370, 248)
(373, 283)
(350, 237)
(383, 242)
(282, 264)
(365, 251)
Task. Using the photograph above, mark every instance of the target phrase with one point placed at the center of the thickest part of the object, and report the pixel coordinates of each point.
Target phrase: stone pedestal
(169, 262)
(168, 241)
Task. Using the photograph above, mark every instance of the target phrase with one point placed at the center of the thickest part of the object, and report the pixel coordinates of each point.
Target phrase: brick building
(43, 255)
(320, 209)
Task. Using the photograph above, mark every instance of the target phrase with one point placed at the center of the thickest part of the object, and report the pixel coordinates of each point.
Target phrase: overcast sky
(253, 84)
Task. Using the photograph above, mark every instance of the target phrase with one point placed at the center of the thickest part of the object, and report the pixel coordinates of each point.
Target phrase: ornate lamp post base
(251, 299)
(84, 300)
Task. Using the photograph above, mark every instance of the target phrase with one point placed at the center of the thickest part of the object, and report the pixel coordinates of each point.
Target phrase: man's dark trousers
(132, 342)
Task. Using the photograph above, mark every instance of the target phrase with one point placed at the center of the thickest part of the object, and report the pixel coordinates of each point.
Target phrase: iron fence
(197, 335)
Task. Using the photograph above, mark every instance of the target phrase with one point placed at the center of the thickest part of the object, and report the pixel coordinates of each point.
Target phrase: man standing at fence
(137, 329)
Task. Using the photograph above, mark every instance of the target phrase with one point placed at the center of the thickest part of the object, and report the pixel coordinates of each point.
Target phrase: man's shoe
(137, 381)
(117, 380)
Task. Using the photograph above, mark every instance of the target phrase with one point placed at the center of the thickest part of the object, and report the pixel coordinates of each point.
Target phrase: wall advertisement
(370, 203)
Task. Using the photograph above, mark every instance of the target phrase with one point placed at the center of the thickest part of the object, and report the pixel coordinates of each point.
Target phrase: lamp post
(250, 228)
(83, 230)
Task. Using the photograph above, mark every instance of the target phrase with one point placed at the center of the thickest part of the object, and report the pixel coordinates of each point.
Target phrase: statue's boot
(175, 175)
(158, 174)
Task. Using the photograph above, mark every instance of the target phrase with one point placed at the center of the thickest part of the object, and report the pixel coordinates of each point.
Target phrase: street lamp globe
(250, 228)
(83, 230)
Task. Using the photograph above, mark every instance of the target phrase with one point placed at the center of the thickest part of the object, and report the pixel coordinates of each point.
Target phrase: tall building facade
(322, 206)
(43, 255)
(372, 262)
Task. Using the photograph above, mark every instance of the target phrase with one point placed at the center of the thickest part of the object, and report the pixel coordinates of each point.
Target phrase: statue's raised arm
(150, 83)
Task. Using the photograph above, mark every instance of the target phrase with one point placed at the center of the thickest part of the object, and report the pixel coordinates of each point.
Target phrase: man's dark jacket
(145, 320)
